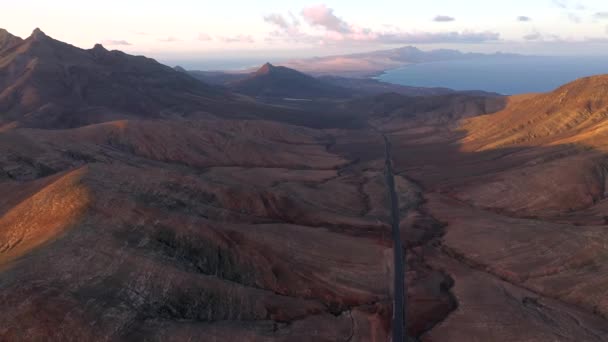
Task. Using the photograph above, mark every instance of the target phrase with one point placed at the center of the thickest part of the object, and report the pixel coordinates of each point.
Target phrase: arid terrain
(138, 203)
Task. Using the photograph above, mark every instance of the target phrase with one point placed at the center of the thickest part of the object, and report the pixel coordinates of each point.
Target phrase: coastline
(500, 75)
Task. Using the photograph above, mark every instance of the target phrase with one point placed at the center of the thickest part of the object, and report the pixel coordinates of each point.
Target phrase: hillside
(521, 195)
(575, 112)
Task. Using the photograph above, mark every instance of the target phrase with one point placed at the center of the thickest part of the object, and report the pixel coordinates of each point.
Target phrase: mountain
(47, 82)
(282, 82)
(298, 84)
(7, 40)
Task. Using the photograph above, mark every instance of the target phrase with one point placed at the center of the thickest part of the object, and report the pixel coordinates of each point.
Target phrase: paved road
(399, 314)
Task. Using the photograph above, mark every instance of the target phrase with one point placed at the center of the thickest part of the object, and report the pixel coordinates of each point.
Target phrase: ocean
(506, 75)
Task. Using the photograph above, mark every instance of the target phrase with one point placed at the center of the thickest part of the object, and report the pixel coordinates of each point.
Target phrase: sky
(192, 29)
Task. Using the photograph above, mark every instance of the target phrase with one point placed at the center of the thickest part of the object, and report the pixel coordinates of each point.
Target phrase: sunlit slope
(575, 112)
(46, 208)
(547, 152)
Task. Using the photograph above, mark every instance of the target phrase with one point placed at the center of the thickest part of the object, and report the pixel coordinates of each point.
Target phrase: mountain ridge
(46, 78)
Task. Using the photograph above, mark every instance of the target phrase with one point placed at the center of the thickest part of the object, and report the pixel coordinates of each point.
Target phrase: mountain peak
(7, 40)
(37, 34)
(99, 50)
(265, 69)
(4, 33)
(99, 47)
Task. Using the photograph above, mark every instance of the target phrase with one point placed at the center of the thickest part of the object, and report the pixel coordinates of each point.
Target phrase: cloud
(390, 37)
(533, 36)
(524, 18)
(574, 18)
(278, 20)
(567, 4)
(437, 37)
(540, 37)
(595, 40)
(291, 26)
(321, 15)
(112, 42)
(571, 11)
(338, 31)
(238, 39)
(600, 15)
(169, 39)
(294, 19)
(203, 37)
(560, 3)
(443, 19)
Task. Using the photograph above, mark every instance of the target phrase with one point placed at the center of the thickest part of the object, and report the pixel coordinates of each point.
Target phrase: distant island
(370, 64)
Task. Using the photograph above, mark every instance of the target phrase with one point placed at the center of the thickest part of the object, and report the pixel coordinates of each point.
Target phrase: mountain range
(141, 203)
(45, 81)
(364, 65)
(279, 82)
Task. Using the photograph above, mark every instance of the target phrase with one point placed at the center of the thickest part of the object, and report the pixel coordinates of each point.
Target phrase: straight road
(399, 314)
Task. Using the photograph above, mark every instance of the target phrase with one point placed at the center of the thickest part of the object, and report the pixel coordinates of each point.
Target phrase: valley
(139, 203)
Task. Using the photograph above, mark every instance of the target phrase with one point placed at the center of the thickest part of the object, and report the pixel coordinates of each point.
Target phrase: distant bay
(501, 74)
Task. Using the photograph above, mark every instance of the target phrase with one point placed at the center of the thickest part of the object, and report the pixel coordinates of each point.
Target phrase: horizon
(275, 31)
(217, 62)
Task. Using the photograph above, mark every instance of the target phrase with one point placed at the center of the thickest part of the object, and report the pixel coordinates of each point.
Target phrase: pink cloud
(338, 31)
(321, 15)
(112, 42)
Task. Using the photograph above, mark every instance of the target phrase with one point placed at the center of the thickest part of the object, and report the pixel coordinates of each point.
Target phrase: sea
(508, 75)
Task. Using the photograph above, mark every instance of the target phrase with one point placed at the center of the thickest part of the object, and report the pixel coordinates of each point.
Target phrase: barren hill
(573, 112)
(278, 81)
